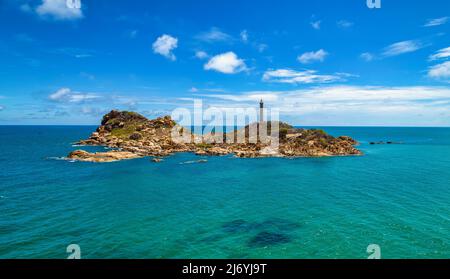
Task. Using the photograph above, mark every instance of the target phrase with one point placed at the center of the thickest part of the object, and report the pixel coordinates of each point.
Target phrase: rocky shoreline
(134, 136)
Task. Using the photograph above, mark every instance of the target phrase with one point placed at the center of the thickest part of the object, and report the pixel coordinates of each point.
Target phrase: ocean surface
(395, 196)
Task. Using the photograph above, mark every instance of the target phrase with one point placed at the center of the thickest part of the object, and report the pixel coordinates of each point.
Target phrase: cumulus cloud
(441, 54)
(402, 47)
(440, 71)
(301, 77)
(227, 63)
(58, 10)
(313, 56)
(214, 35)
(164, 46)
(66, 95)
(436, 21)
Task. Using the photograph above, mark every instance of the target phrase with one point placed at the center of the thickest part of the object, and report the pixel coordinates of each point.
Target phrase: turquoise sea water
(396, 196)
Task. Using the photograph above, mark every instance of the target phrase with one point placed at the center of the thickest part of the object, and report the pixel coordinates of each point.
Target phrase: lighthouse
(261, 111)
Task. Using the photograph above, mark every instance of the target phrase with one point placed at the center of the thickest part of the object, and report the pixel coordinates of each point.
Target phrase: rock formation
(131, 135)
(101, 157)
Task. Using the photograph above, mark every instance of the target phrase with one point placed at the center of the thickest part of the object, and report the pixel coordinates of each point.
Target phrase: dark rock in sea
(382, 142)
(265, 238)
(237, 226)
(273, 225)
(278, 224)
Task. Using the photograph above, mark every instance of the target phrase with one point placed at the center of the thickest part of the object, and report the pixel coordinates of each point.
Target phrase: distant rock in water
(157, 160)
(384, 142)
(135, 136)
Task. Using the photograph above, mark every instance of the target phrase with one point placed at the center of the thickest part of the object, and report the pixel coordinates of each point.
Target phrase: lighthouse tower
(261, 111)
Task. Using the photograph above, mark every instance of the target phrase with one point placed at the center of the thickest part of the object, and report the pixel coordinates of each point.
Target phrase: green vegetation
(316, 135)
(283, 132)
(203, 145)
(125, 132)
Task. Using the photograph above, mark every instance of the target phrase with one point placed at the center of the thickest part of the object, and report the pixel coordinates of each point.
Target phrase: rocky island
(131, 135)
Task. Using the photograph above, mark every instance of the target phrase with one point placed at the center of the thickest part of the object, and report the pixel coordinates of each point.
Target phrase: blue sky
(321, 62)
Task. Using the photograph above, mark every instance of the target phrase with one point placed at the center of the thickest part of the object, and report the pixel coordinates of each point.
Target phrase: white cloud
(244, 36)
(2, 108)
(301, 77)
(201, 54)
(436, 21)
(217, 90)
(83, 55)
(58, 95)
(367, 56)
(402, 47)
(251, 97)
(441, 54)
(66, 95)
(353, 105)
(74, 52)
(164, 45)
(316, 24)
(193, 90)
(313, 56)
(227, 63)
(58, 9)
(262, 47)
(440, 71)
(214, 35)
(345, 24)
(345, 95)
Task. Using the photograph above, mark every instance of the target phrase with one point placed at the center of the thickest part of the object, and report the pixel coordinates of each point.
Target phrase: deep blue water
(396, 196)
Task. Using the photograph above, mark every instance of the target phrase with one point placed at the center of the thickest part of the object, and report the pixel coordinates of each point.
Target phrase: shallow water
(396, 196)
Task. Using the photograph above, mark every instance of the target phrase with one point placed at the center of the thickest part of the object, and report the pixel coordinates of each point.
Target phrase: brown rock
(138, 136)
(101, 157)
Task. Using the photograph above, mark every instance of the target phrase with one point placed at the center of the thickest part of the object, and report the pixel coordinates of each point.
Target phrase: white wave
(194, 162)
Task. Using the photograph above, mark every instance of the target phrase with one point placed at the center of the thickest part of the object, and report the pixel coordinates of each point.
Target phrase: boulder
(136, 136)
(101, 157)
